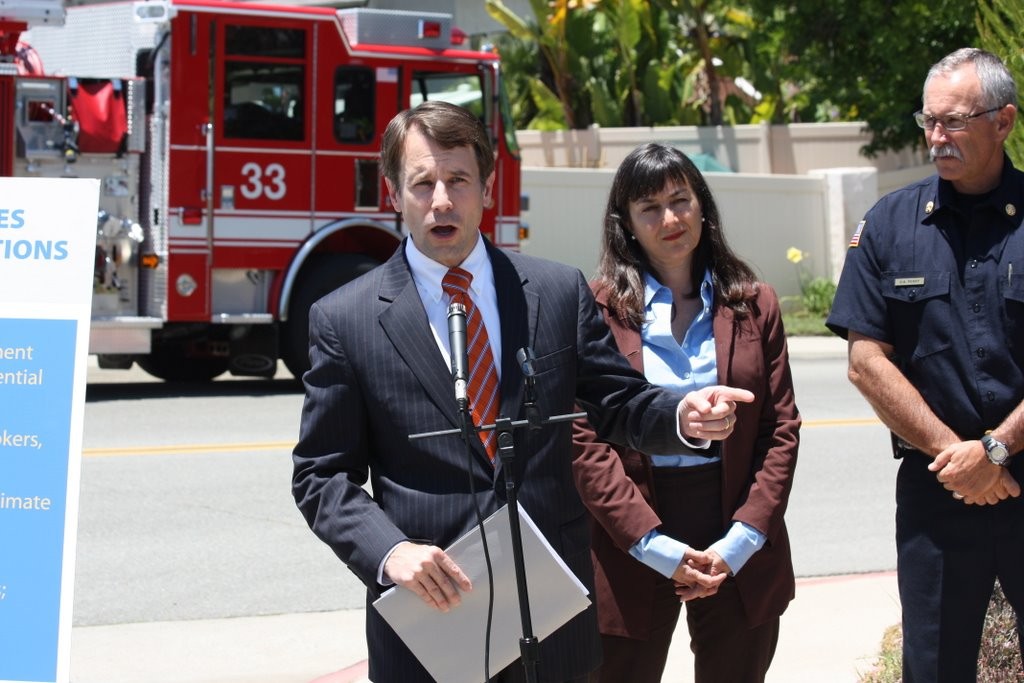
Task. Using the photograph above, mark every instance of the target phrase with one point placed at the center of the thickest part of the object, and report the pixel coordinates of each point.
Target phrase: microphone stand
(529, 645)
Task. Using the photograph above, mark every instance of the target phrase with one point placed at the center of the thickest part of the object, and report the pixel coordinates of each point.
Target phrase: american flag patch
(855, 240)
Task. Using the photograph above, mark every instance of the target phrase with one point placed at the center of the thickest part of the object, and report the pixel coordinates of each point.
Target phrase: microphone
(457, 344)
(525, 357)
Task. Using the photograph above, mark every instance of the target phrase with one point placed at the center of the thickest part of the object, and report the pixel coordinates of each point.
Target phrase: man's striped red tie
(482, 384)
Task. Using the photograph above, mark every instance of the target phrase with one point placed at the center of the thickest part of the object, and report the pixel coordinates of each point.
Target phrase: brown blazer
(758, 460)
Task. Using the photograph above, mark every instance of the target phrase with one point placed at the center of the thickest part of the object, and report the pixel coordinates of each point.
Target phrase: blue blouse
(685, 367)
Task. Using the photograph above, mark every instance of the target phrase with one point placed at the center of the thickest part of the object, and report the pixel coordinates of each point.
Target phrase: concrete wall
(754, 148)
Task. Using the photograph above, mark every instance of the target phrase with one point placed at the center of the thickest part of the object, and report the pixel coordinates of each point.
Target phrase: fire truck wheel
(321, 275)
(172, 363)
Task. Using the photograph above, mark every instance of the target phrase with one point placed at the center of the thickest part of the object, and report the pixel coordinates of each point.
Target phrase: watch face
(996, 451)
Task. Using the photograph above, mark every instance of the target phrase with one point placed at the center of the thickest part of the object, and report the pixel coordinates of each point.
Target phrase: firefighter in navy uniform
(931, 299)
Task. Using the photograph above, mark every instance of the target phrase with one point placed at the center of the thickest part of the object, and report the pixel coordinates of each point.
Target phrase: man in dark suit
(378, 352)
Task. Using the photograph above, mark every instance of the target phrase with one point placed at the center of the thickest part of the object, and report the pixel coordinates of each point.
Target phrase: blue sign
(47, 262)
(36, 377)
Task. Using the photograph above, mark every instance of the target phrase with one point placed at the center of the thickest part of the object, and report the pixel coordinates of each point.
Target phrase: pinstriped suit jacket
(377, 376)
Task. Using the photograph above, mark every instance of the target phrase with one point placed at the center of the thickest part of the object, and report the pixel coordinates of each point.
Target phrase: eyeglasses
(950, 122)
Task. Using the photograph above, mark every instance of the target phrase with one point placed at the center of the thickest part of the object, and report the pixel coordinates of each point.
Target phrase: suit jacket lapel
(520, 307)
(626, 338)
(405, 323)
(725, 343)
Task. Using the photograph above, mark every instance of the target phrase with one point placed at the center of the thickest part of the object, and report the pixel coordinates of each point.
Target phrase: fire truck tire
(321, 275)
(171, 363)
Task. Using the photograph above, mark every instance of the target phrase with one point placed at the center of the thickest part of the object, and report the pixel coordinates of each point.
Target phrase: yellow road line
(288, 445)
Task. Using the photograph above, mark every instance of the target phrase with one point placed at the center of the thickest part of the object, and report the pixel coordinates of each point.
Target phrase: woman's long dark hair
(643, 173)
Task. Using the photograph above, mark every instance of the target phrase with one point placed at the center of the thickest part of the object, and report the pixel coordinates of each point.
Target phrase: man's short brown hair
(446, 124)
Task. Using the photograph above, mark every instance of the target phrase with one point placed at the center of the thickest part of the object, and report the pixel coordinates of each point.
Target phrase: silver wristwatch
(995, 450)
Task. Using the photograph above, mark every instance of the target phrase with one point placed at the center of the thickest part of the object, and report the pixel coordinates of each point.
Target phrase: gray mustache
(944, 151)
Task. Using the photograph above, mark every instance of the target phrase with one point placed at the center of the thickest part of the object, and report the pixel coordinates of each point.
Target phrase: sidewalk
(830, 633)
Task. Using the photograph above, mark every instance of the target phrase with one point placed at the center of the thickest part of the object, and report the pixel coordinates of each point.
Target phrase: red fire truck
(238, 150)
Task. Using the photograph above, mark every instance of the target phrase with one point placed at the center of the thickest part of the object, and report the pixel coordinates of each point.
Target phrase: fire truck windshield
(462, 89)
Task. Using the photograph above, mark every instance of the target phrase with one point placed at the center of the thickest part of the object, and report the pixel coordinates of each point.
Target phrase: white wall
(763, 216)
(814, 206)
(752, 148)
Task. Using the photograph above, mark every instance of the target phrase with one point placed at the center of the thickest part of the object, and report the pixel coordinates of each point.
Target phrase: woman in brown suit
(688, 313)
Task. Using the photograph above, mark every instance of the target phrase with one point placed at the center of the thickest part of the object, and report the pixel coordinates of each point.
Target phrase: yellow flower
(794, 255)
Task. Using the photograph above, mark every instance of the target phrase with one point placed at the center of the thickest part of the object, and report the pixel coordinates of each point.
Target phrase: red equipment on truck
(238, 150)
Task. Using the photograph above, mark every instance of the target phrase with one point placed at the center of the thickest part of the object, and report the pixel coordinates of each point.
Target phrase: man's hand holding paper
(428, 572)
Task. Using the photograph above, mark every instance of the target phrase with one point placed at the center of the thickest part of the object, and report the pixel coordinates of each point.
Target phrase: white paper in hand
(451, 645)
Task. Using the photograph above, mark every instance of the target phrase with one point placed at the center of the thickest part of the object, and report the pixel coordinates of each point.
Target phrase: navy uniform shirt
(940, 277)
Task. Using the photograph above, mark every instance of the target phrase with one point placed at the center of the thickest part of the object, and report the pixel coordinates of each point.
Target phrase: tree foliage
(848, 61)
(717, 33)
(622, 63)
(711, 62)
(1001, 25)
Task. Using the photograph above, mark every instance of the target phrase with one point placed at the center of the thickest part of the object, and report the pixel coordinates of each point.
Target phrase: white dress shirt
(427, 274)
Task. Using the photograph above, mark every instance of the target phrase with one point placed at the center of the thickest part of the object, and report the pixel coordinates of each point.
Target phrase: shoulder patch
(855, 240)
